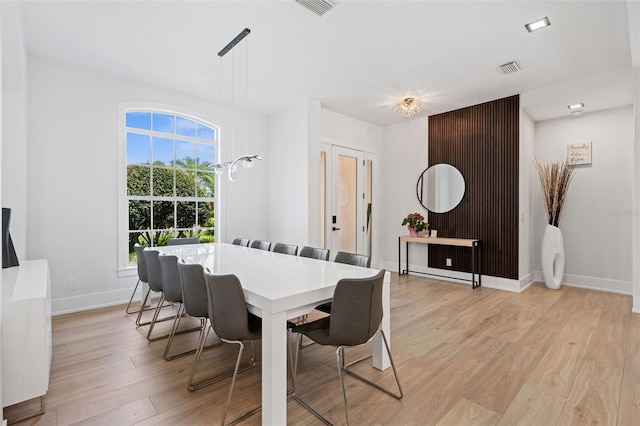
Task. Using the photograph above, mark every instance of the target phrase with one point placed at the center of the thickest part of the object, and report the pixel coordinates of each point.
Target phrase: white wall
(14, 131)
(346, 131)
(403, 158)
(1, 181)
(72, 192)
(314, 185)
(597, 220)
(636, 192)
(527, 181)
(288, 177)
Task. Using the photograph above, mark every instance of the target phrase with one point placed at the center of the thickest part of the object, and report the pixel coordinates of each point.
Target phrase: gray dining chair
(355, 320)
(314, 253)
(351, 259)
(154, 274)
(261, 245)
(182, 241)
(232, 322)
(194, 295)
(289, 249)
(172, 292)
(241, 242)
(342, 257)
(142, 277)
(151, 273)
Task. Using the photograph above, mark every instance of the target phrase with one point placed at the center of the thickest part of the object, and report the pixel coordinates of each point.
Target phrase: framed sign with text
(579, 153)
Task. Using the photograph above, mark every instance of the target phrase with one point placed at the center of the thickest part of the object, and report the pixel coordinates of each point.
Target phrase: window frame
(124, 267)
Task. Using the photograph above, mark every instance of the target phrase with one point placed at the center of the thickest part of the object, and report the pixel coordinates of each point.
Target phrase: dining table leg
(274, 368)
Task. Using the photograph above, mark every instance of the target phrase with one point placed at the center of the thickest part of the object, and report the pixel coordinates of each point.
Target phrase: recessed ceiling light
(576, 106)
(536, 25)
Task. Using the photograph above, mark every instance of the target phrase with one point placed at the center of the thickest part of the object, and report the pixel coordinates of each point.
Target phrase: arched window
(170, 188)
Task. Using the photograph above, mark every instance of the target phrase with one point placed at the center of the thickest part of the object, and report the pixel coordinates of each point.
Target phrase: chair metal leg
(344, 368)
(203, 338)
(294, 368)
(131, 300)
(292, 355)
(311, 410)
(156, 320)
(375, 385)
(144, 302)
(193, 386)
(174, 331)
(340, 361)
(233, 381)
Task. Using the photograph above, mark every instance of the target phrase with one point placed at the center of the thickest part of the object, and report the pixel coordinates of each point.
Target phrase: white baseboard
(499, 283)
(455, 276)
(518, 286)
(85, 302)
(527, 280)
(593, 283)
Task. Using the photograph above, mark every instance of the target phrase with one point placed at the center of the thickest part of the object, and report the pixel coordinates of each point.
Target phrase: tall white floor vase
(552, 257)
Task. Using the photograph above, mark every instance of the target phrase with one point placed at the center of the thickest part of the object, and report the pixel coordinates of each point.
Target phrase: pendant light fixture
(247, 159)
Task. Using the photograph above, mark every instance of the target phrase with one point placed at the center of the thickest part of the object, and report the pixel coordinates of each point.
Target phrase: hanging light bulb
(233, 168)
(247, 163)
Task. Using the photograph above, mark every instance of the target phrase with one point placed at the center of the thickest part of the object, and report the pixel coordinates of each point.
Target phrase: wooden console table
(474, 245)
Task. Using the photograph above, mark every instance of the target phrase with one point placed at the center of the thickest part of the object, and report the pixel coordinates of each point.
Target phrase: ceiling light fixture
(576, 106)
(408, 107)
(536, 25)
(247, 159)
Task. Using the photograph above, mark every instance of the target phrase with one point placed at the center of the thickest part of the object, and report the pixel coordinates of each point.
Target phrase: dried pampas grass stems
(555, 178)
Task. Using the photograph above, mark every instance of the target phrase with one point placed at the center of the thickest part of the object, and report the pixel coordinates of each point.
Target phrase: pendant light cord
(246, 97)
(247, 160)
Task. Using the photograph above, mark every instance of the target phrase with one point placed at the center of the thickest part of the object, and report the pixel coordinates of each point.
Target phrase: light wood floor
(481, 357)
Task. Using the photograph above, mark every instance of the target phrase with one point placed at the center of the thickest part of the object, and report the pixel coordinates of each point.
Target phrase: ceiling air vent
(510, 67)
(319, 7)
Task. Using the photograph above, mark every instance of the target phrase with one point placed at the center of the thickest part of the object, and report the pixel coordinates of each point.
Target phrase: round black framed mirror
(440, 188)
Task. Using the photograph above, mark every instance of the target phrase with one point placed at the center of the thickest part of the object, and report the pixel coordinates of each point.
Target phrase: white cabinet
(26, 332)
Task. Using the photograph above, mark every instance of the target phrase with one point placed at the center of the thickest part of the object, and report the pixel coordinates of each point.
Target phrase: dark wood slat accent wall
(482, 142)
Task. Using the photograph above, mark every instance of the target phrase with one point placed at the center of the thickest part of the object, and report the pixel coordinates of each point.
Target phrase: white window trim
(124, 268)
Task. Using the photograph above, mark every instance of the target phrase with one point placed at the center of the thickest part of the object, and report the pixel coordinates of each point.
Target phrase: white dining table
(279, 287)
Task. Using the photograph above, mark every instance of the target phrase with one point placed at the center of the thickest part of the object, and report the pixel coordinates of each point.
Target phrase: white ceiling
(358, 58)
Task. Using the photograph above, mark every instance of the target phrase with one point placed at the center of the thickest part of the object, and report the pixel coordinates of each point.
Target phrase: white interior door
(348, 212)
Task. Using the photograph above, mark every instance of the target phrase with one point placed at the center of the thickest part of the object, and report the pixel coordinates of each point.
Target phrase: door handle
(336, 229)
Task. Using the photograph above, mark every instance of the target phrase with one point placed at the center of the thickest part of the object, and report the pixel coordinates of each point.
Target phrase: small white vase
(552, 257)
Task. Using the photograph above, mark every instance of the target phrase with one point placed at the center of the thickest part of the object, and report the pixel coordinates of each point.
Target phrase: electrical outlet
(72, 285)
(448, 261)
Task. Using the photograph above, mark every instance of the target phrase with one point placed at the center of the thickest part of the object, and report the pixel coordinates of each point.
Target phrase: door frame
(358, 155)
(371, 155)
